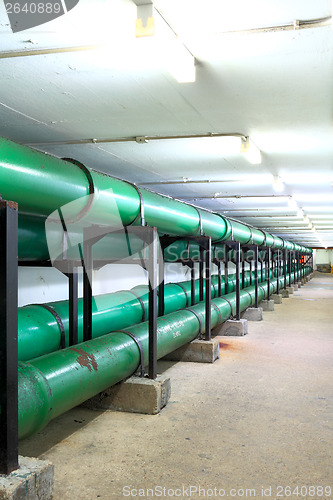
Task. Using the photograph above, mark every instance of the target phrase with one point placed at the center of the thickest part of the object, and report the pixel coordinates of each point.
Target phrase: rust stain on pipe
(85, 359)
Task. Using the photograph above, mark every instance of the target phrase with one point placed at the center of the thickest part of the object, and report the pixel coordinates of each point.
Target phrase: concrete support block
(33, 480)
(295, 287)
(277, 297)
(267, 305)
(290, 290)
(232, 328)
(285, 293)
(299, 283)
(197, 351)
(134, 395)
(253, 314)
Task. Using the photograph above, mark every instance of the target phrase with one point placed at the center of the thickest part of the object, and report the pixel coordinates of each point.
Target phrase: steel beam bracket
(205, 257)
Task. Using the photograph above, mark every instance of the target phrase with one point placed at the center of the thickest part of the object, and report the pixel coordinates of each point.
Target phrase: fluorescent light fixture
(306, 219)
(278, 185)
(251, 151)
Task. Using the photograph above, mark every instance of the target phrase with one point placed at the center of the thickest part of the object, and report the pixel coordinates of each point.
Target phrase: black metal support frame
(8, 337)
(285, 263)
(73, 306)
(289, 266)
(277, 267)
(255, 250)
(149, 236)
(268, 263)
(204, 260)
(236, 247)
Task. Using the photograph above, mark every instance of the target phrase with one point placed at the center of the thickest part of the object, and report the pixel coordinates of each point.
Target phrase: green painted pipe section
(41, 184)
(54, 383)
(39, 332)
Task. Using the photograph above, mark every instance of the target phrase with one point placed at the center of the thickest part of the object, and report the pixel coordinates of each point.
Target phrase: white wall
(47, 284)
(41, 284)
(324, 257)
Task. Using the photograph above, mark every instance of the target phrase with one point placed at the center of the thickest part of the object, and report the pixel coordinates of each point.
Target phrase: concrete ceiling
(274, 85)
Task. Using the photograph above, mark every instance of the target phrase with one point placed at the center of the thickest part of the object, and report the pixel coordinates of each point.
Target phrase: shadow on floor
(57, 430)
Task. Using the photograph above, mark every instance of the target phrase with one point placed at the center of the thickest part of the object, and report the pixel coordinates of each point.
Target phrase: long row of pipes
(42, 185)
(52, 384)
(48, 189)
(39, 332)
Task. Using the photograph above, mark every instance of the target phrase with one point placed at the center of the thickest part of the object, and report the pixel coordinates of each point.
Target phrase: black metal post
(237, 257)
(208, 282)
(87, 287)
(219, 278)
(261, 269)
(303, 265)
(256, 278)
(268, 273)
(201, 277)
(289, 266)
(73, 306)
(8, 338)
(251, 277)
(153, 276)
(226, 268)
(161, 284)
(243, 271)
(278, 272)
(192, 283)
(285, 261)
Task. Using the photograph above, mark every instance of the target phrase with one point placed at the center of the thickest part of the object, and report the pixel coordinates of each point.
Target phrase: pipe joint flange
(218, 311)
(141, 365)
(199, 336)
(200, 229)
(141, 303)
(141, 214)
(54, 313)
(180, 286)
(85, 210)
(232, 315)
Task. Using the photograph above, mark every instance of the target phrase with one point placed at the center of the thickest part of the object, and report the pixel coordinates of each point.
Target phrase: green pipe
(54, 383)
(42, 184)
(39, 333)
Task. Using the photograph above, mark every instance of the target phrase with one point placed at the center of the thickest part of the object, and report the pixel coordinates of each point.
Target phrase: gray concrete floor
(260, 416)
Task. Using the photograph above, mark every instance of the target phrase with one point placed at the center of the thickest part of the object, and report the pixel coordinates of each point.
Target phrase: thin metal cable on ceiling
(295, 25)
